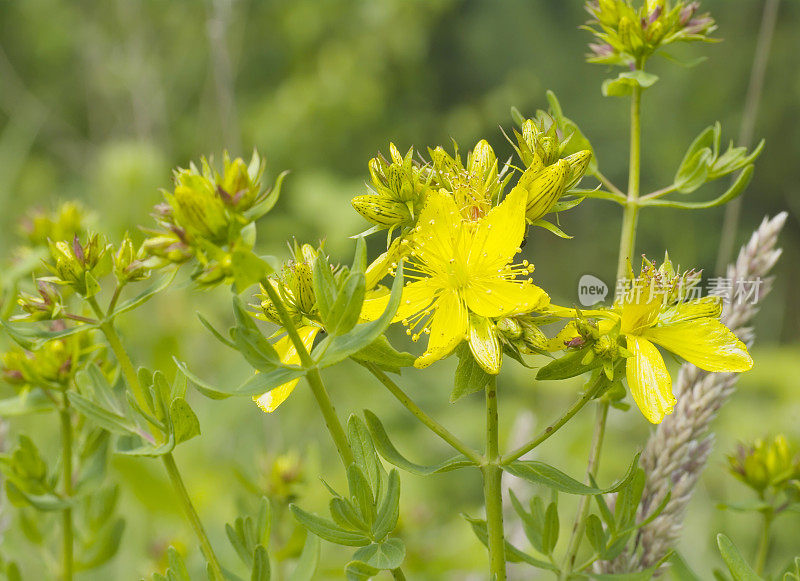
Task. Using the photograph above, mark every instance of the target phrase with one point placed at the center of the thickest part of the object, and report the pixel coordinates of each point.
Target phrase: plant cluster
(454, 226)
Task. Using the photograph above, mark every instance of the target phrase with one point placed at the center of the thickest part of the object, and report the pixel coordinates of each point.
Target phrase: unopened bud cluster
(523, 332)
(295, 285)
(208, 215)
(78, 265)
(51, 365)
(767, 464)
(548, 173)
(399, 188)
(626, 35)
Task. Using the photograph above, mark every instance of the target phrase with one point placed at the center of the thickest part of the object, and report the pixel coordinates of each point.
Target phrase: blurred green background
(98, 101)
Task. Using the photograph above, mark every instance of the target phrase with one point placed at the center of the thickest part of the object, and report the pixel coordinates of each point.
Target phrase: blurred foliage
(99, 100)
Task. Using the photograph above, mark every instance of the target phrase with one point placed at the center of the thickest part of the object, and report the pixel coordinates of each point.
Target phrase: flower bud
(380, 210)
(48, 306)
(578, 162)
(73, 261)
(240, 185)
(544, 189)
(127, 264)
(199, 209)
(766, 464)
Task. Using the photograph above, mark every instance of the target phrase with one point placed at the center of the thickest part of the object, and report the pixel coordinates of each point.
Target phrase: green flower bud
(381, 211)
(128, 267)
(73, 262)
(166, 249)
(766, 464)
(199, 209)
(578, 162)
(48, 306)
(544, 189)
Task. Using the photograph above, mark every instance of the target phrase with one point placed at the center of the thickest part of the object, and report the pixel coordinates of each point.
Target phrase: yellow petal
(705, 342)
(500, 298)
(484, 344)
(448, 328)
(437, 231)
(497, 236)
(710, 306)
(417, 296)
(649, 380)
(270, 400)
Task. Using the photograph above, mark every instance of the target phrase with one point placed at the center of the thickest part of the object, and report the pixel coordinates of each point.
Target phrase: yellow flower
(462, 279)
(652, 312)
(270, 401)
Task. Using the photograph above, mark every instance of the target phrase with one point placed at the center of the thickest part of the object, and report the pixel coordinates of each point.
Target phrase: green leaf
(176, 565)
(513, 554)
(346, 308)
(364, 454)
(361, 494)
(346, 515)
(261, 568)
(328, 530)
(742, 181)
(693, 173)
(389, 453)
(106, 419)
(247, 268)
(308, 561)
(532, 522)
(385, 556)
(737, 565)
(359, 571)
(389, 511)
(145, 295)
(250, 342)
(595, 533)
(31, 338)
(269, 200)
(325, 288)
(332, 350)
(470, 376)
(566, 366)
(219, 336)
(45, 502)
(184, 421)
(381, 353)
(550, 532)
(255, 385)
(131, 445)
(541, 473)
(549, 226)
(626, 81)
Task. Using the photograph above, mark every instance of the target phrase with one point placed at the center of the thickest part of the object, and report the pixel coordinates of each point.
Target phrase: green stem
(584, 504)
(631, 214)
(590, 392)
(763, 543)
(125, 363)
(606, 182)
(194, 519)
(426, 420)
(132, 379)
(492, 489)
(67, 557)
(314, 378)
(398, 574)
